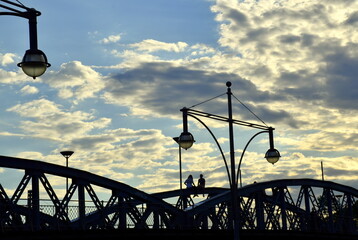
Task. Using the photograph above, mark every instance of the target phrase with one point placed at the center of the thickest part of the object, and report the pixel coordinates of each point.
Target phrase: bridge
(280, 208)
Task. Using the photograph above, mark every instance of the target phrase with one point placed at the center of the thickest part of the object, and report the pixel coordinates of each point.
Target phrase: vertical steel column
(81, 205)
(281, 191)
(35, 202)
(307, 208)
(155, 219)
(351, 224)
(122, 213)
(260, 219)
(328, 196)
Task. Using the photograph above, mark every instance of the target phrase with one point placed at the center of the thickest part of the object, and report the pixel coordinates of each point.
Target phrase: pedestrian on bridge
(201, 183)
(189, 182)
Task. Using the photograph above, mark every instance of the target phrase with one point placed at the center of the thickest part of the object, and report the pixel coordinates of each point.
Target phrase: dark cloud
(91, 142)
(164, 89)
(238, 17)
(289, 39)
(352, 19)
(339, 172)
(333, 85)
(342, 84)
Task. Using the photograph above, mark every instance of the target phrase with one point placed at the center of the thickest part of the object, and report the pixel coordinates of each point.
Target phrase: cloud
(111, 39)
(75, 80)
(29, 90)
(145, 88)
(47, 120)
(151, 45)
(306, 52)
(7, 58)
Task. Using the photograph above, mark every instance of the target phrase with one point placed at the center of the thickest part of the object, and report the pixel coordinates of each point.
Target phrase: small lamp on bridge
(272, 155)
(186, 139)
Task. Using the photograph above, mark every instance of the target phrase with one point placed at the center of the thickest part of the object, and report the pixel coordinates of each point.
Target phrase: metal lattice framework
(288, 204)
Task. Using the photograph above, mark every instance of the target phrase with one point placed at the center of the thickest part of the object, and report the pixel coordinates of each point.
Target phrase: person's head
(201, 175)
(190, 176)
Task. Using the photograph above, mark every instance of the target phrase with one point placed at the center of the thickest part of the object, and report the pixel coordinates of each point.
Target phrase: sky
(122, 70)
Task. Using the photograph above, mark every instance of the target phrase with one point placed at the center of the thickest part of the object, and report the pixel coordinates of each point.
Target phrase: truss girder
(287, 204)
(315, 206)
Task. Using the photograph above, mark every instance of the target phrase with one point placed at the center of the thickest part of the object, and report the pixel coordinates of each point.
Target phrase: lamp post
(176, 139)
(67, 155)
(186, 140)
(34, 62)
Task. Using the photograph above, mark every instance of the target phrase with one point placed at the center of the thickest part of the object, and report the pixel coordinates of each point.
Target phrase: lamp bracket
(225, 119)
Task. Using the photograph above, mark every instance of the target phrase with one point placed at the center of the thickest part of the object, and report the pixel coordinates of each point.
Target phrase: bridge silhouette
(300, 208)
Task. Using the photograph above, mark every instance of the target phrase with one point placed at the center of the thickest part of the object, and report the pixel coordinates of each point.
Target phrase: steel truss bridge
(299, 205)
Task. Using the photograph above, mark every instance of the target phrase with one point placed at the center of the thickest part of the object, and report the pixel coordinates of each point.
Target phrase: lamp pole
(67, 155)
(186, 140)
(34, 62)
(232, 164)
(176, 139)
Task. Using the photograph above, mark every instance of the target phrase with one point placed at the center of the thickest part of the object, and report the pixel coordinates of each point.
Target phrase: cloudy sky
(122, 70)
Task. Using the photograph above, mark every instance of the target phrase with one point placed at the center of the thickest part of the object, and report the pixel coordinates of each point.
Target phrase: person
(201, 183)
(189, 182)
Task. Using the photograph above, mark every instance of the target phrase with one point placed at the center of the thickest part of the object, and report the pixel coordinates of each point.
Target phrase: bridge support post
(259, 211)
(328, 197)
(155, 220)
(305, 225)
(35, 202)
(351, 224)
(81, 205)
(281, 192)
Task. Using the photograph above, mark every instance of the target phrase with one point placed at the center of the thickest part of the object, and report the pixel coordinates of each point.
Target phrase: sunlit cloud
(75, 80)
(7, 58)
(29, 90)
(151, 45)
(111, 39)
(47, 120)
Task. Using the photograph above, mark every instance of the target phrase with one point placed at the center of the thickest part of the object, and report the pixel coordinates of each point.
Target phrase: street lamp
(186, 140)
(67, 155)
(34, 62)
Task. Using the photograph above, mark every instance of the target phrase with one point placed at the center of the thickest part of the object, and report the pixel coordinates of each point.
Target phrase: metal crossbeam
(225, 119)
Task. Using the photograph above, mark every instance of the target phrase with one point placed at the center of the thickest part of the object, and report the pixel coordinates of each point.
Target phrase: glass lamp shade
(272, 155)
(186, 140)
(34, 63)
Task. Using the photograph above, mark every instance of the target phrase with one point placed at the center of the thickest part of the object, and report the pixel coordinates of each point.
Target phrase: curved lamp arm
(243, 152)
(217, 143)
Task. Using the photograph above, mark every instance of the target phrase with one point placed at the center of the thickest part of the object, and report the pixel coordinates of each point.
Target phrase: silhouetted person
(189, 182)
(201, 183)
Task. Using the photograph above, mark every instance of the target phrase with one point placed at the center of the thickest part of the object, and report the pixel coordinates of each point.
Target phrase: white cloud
(75, 80)
(151, 45)
(29, 90)
(7, 58)
(47, 120)
(111, 39)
